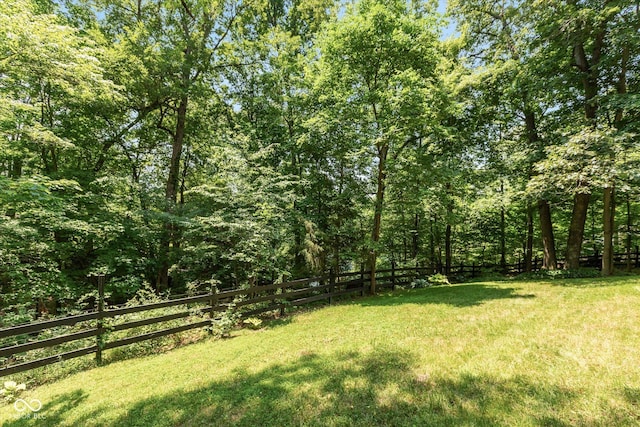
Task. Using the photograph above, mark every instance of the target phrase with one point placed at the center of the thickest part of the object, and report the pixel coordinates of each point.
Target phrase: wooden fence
(270, 298)
(620, 260)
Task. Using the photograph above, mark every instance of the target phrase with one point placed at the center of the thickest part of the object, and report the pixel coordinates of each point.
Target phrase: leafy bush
(419, 283)
(252, 323)
(434, 280)
(222, 327)
(438, 279)
(11, 390)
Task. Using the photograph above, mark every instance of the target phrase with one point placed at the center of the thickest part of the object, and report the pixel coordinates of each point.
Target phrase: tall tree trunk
(377, 215)
(628, 237)
(590, 69)
(414, 237)
(447, 234)
(405, 243)
(609, 192)
(609, 224)
(171, 193)
(503, 237)
(16, 169)
(447, 250)
(432, 245)
(528, 249)
(549, 260)
(576, 230)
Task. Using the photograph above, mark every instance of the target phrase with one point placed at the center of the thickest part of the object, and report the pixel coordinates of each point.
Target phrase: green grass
(510, 353)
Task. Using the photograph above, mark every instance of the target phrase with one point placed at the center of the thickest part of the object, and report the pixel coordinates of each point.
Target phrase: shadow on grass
(458, 296)
(380, 387)
(52, 413)
(347, 389)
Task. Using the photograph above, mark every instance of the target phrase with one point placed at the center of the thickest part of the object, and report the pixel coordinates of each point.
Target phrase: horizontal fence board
(325, 296)
(155, 334)
(151, 321)
(308, 300)
(154, 306)
(298, 292)
(347, 291)
(47, 361)
(259, 299)
(304, 281)
(47, 324)
(404, 269)
(350, 274)
(49, 342)
(405, 276)
(262, 310)
(351, 282)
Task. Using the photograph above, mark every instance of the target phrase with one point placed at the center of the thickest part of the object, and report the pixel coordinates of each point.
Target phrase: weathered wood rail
(92, 324)
(272, 297)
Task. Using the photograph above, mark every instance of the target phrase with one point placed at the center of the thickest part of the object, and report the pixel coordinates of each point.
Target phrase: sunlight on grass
(507, 353)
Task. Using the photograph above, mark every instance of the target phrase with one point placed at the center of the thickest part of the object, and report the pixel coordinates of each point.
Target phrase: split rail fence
(275, 297)
(268, 298)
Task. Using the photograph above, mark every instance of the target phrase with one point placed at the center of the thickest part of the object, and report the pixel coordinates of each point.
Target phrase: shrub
(419, 283)
(11, 390)
(438, 279)
(222, 327)
(252, 323)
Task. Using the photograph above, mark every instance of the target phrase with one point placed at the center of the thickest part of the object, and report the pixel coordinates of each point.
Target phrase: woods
(189, 144)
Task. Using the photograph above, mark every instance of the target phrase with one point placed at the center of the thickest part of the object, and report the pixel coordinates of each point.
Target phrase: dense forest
(181, 144)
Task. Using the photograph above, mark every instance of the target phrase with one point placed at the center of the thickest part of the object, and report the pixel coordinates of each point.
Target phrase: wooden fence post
(362, 279)
(393, 275)
(99, 322)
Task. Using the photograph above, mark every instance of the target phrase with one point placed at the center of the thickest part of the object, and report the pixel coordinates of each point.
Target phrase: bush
(419, 283)
(222, 327)
(434, 280)
(438, 280)
(252, 323)
(11, 390)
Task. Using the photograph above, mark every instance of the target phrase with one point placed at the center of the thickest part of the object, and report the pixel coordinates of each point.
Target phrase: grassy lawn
(510, 353)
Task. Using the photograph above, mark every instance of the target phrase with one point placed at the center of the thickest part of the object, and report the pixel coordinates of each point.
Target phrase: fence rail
(276, 296)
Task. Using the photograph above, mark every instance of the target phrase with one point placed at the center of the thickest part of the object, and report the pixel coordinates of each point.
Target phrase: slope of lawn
(510, 353)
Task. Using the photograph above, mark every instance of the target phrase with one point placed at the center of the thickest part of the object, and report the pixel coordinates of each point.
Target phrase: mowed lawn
(509, 353)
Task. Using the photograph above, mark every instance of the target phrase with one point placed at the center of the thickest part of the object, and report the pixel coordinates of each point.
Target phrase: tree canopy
(186, 144)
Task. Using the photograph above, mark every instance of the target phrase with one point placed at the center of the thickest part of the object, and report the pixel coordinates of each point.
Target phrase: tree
(577, 38)
(378, 70)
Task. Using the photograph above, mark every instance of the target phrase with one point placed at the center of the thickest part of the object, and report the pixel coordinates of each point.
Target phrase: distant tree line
(188, 144)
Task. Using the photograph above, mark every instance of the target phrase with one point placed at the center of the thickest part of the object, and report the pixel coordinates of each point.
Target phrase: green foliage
(12, 390)
(419, 283)
(178, 143)
(438, 280)
(252, 323)
(222, 326)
